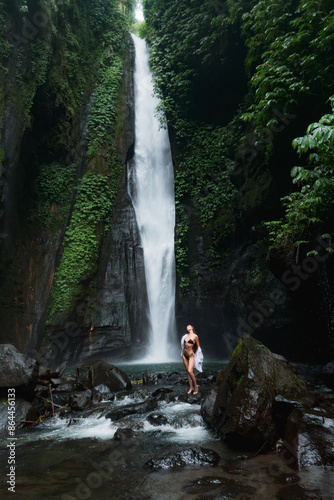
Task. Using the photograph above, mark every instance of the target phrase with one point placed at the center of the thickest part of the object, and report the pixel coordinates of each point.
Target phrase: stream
(135, 457)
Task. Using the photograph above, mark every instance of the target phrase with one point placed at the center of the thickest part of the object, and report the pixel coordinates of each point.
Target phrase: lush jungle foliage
(312, 203)
(279, 55)
(55, 57)
(99, 186)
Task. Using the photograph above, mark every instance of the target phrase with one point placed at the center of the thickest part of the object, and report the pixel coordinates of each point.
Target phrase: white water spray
(151, 187)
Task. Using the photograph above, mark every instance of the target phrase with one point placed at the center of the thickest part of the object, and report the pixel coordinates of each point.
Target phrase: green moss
(241, 379)
(102, 115)
(82, 241)
(54, 187)
(203, 179)
(237, 350)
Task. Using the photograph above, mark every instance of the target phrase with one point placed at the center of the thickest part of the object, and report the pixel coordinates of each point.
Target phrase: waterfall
(151, 187)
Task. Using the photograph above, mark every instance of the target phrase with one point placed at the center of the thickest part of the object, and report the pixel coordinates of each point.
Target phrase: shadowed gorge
(234, 101)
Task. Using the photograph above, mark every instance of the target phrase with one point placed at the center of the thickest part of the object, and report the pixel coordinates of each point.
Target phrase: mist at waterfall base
(151, 188)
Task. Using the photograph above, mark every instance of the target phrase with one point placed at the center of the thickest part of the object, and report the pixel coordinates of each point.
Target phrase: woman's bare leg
(191, 364)
(190, 382)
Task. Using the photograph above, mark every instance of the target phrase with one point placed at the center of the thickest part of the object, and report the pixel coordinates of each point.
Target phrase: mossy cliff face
(237, 84)
(66, 129)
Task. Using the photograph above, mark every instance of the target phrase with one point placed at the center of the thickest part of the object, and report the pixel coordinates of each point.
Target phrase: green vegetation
(99, 186)
(103, 113)
(284, 51)
(289, 54)
(203, 177)
(311, 205)
(55, 188)
(55, 58)
(91, 213)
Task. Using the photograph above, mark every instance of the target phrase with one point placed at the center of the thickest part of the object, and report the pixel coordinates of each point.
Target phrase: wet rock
(157, 419)
(161, 392)
(175, 378)
(123, 434)
(140, 394)
(282, 407)
(22, 410)
(309, 438)
(100, 372)
(211, 379)
(103, 393)
(17, 371)
(190, 398)
(65, 385)
(242, 412)
(150, 378)
(208, 406)
(133, 409)
(191, 456)
(328, 374)
(61, 398)
(81, 400)
(226, 488)
(286, 478)
(300, 492)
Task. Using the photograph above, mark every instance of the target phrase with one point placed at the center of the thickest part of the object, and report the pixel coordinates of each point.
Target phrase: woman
(192, 357)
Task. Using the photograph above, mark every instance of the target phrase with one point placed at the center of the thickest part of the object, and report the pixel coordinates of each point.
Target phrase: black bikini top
(190, 341)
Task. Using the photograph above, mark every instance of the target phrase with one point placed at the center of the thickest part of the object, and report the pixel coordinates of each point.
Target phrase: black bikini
(190, 341)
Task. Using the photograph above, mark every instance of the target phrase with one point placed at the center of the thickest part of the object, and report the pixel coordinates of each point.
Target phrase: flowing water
(79, 458)
(151, 187)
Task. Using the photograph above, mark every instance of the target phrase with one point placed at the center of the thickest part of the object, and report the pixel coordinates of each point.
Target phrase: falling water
(151, 187)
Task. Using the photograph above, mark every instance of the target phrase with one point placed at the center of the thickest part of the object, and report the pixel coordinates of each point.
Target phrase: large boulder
(309, 438)
(23, 411)
(99, 372)
(208, 406)
(17, 371)
(242, 412)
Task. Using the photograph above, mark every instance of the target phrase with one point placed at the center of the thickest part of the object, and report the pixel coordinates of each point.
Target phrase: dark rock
(123, 434)
(175, 378)
(59, 398)
(157, 419)
(242, 412)
(65, 385)
(190, 398)
(81, 400)
(287, 478)
(309, 438)
(133, 409)
(100, 372)
(161, 391)
(282, 407)
(208, 406)
(191, 456)
(103, 393)
(140, 394)
(17, 371)
(300, 492)
(328, 374)
(22, 410)
(150, 378)
(226, 488)
(212, 379)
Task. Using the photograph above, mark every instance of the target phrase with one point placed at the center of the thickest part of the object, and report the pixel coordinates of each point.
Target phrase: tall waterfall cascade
(151, 187)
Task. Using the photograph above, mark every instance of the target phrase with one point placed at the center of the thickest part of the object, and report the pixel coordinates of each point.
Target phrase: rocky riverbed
(136, 433)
